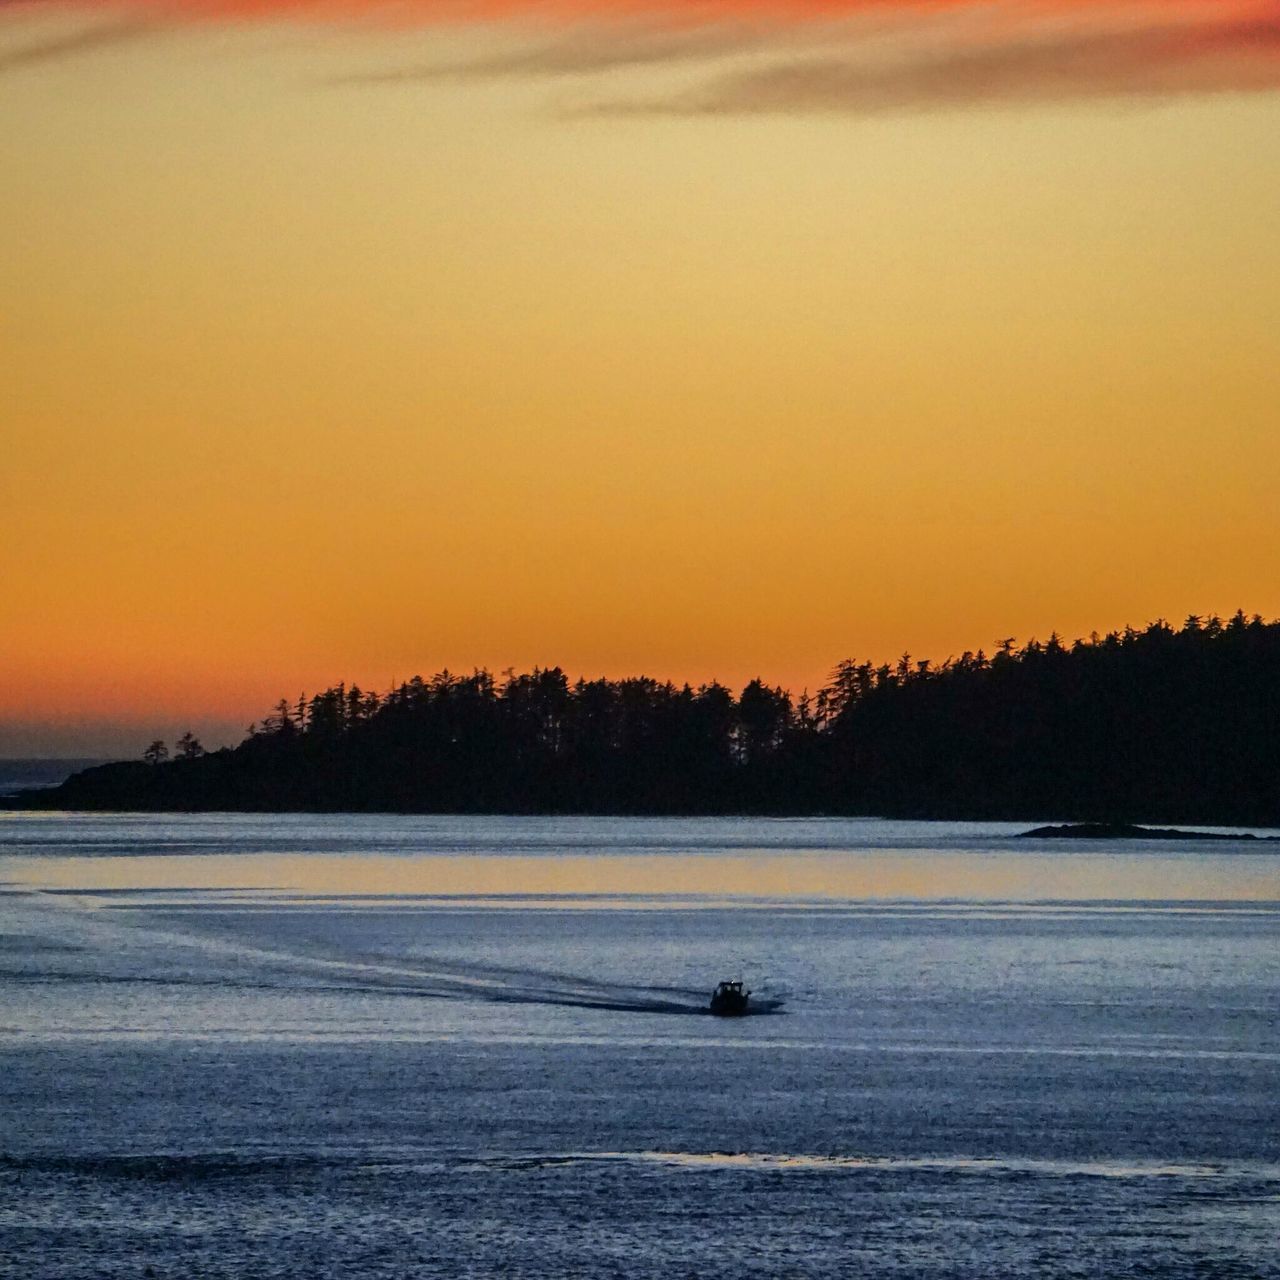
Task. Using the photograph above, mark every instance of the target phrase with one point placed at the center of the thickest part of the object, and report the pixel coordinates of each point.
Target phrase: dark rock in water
(1126, 831)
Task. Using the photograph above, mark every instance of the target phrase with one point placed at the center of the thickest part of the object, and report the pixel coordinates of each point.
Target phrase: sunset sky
(352, 340)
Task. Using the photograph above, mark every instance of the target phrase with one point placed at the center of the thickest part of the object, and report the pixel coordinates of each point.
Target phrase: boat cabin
(730, 999)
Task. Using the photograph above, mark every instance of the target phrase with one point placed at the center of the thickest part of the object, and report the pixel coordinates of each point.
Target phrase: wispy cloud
(790, 56)
(582, 51)
(30, 53)
(1030, 64)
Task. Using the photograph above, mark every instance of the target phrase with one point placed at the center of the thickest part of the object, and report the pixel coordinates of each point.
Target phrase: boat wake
(146, 945)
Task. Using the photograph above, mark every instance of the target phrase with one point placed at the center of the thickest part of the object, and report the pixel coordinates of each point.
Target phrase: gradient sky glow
(346, 340)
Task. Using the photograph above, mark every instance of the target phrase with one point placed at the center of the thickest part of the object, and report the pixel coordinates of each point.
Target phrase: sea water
(250, 1046)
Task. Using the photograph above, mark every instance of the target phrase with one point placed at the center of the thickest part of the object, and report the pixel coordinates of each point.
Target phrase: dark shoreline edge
(45, 800)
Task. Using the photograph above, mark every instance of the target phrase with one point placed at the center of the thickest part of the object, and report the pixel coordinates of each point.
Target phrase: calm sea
(305, 1047)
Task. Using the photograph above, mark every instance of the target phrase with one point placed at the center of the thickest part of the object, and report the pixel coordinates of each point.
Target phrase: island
(1163, 726)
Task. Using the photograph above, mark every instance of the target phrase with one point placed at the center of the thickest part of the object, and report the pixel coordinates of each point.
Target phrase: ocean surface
(243, 1046)
(37, 773)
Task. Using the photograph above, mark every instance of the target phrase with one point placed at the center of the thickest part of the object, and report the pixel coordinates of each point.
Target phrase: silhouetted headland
(1159, 725)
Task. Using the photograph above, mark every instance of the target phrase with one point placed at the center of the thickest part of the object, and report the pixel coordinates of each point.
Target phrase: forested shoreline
(1159, 724)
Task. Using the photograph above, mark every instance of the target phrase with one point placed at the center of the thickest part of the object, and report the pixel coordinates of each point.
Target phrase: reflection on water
(1008, 876)
(770, 1161)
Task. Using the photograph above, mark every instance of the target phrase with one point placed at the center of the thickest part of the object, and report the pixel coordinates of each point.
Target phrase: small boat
(729, 1000)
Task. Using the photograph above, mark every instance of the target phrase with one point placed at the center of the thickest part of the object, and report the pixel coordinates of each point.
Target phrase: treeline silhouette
(1160, 724)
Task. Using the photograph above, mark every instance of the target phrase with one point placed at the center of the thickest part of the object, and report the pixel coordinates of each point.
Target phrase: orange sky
(351, 348)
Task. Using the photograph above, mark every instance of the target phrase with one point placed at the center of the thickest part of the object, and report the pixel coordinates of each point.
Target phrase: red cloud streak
(682, 12)
(950, 51)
